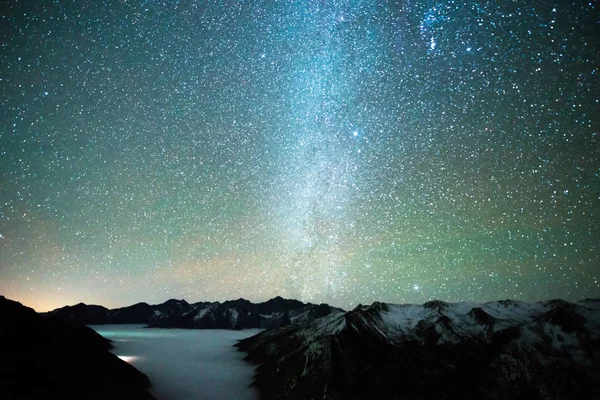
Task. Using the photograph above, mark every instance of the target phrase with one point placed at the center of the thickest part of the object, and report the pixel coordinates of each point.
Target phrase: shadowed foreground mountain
(48, 357)
(234, 314)
(498, 350)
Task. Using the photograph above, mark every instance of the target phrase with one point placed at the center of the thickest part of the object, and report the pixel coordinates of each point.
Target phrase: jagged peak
(177, 301)
(375, 306)
(279, 300)
(77, 307)
(238, 302)
(505, 302)
(140, 304)
(436, 304)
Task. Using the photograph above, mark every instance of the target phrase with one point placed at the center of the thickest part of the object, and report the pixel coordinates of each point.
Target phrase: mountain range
(496, 350)
(233, 314)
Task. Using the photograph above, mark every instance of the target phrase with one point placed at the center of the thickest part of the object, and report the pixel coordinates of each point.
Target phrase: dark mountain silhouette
(83, 313)
(50, 357)
(233, 314)
(241, 314)
(139, 313)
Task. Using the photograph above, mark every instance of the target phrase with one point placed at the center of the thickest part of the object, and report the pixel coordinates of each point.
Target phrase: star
(325, 151)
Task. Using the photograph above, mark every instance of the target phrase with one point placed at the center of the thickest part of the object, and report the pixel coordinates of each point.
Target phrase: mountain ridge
(493, 350)
(173, 313)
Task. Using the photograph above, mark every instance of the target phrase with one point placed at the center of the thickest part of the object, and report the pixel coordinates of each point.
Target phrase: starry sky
(339, 151)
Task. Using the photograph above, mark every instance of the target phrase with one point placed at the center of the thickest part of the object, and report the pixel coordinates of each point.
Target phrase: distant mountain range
(234, 314)
(52, 358)
(497, 350)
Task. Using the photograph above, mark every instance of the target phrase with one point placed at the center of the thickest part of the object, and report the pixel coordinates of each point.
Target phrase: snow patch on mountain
(502, 349)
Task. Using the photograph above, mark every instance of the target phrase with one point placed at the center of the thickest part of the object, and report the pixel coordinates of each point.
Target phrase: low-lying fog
(186, 363)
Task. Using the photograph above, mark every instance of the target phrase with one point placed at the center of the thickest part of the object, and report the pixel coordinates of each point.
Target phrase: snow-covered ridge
(240, 314)
(495, 350)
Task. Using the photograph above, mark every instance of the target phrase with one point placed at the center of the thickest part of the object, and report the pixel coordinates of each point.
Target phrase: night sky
(331, 151)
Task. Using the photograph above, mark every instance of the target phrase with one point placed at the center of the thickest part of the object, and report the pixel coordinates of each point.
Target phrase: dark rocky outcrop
(139, 313)
(82, 313)
(59, 358)
(497, 350)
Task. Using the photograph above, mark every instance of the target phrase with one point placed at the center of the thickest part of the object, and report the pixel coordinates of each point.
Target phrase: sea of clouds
(186, 363)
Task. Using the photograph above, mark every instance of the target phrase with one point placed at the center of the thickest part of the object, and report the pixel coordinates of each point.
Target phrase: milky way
(331, 151)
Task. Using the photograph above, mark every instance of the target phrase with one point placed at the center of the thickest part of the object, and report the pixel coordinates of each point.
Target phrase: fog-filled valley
(185, 364)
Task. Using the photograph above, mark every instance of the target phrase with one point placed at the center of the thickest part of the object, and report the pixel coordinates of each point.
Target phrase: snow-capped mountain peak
(495, 350)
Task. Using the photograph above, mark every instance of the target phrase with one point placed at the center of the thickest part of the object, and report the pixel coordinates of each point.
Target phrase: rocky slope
(497, 350)
(48, 357)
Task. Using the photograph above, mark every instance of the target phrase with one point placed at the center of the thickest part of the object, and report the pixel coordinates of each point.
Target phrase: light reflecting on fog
(185, 364)
(129, 359)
